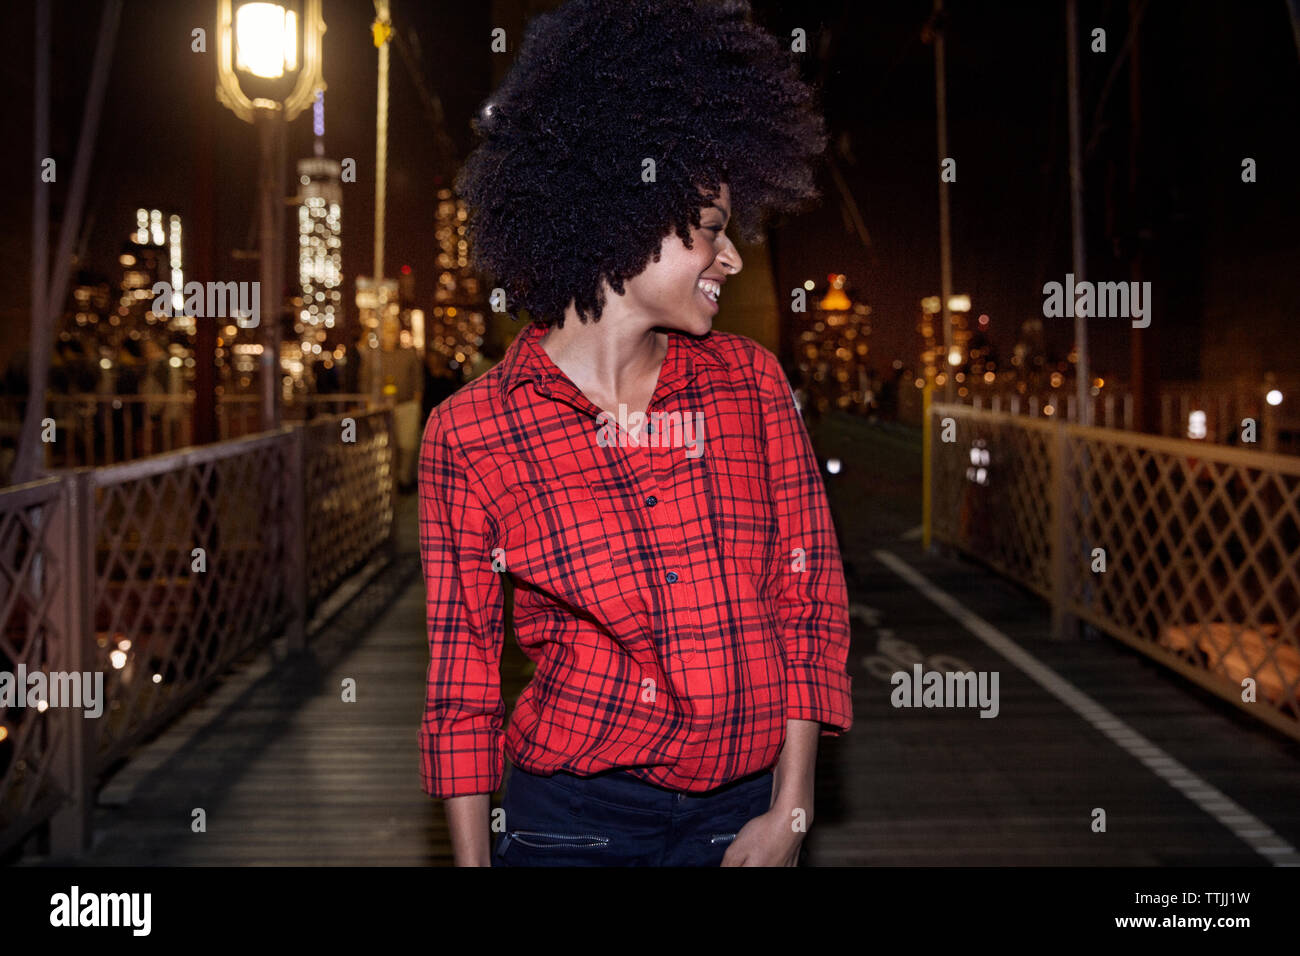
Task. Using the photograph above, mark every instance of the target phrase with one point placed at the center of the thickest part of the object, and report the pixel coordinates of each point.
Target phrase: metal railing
(42, 753)
(1209, 412)
(1186, 551)
(97, 430)
(158, 574)
(1222, 411)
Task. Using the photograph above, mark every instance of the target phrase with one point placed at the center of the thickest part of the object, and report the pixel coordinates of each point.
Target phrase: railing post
(296, 538)
(390, 422)
(927, 467)
(1268, 427)
(71, 537)
(1063, 564)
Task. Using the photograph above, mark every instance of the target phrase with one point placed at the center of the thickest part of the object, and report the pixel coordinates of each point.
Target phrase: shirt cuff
(463, 762)
(817, 692)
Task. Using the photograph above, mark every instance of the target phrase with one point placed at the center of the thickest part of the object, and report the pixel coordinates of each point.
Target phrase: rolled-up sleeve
(461, 738)
(811, 597)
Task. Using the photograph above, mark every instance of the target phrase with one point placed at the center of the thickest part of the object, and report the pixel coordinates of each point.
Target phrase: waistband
(621, 785)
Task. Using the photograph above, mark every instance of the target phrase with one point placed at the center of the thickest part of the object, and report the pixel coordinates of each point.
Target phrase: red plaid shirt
(681, 602)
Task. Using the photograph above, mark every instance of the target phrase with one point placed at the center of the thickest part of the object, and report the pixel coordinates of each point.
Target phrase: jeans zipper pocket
(566, 840)
(721, 838)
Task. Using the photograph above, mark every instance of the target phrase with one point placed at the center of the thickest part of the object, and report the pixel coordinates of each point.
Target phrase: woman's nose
(730, 259)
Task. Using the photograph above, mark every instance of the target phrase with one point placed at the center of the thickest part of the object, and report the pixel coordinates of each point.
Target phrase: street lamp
(269, 71)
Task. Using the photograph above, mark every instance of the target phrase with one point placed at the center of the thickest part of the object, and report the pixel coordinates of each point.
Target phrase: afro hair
(557, 191)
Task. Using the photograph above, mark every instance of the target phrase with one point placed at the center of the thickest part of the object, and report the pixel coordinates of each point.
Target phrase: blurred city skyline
(1220, 83)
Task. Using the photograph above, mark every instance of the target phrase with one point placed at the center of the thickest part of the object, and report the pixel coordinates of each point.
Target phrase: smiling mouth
(710, 289)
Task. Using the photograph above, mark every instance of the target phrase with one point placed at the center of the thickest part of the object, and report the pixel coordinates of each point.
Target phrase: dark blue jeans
(614, 819)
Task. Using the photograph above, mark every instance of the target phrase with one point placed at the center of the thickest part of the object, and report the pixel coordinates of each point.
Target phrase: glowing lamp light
(266, 40)
(117, 659)
(1274, 397)
(954, 356)
(978, 472)
(833, 466)
(836, 300)
(1196, 424)
(261, 41)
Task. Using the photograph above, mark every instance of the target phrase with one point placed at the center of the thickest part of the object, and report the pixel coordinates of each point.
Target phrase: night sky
(1220, 81)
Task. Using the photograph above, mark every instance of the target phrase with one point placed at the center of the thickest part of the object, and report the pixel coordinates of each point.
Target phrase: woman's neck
(610, 359)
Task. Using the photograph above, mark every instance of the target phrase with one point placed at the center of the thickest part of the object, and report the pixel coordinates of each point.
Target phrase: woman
(646, 484)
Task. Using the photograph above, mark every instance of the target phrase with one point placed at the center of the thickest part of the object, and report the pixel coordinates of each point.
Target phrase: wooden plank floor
(287, 773)
(290, 775)
(916, 786)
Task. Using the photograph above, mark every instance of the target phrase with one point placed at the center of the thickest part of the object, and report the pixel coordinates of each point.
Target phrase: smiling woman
(683, 600)
(559, 192)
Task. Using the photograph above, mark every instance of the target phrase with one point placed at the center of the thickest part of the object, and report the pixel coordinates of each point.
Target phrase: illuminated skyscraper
(320, 244)
(152, 254)
(459, 318)
(833, 343)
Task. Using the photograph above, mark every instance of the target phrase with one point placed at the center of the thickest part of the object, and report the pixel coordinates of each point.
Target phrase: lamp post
(269, 71)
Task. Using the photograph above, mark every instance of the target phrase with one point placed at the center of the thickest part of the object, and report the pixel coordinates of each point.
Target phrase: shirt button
(651, 501)
(672, 577)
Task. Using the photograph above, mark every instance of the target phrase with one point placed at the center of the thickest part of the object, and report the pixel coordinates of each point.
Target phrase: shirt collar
(526, 360)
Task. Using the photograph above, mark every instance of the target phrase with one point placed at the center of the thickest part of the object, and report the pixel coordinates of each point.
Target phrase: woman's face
(672, 291)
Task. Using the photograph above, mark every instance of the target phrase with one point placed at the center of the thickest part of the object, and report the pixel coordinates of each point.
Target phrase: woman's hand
(774, 838)
(770, 839)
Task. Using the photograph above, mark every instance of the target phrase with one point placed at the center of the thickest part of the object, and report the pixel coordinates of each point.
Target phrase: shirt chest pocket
(741, 502)
(553, 533)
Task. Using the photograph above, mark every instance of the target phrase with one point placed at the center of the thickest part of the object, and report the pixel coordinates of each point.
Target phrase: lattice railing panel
(1200, 543)
(99, 569)
(349, 502)
(1202, 548)
(162, 627)
(1002, 515)
(34, 597)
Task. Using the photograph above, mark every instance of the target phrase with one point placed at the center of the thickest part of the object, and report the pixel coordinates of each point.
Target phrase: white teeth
(711, 289)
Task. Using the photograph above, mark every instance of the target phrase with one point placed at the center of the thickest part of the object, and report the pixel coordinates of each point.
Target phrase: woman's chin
(698, 326)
